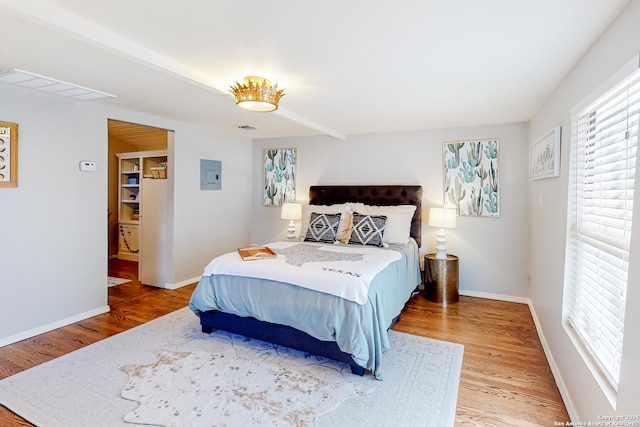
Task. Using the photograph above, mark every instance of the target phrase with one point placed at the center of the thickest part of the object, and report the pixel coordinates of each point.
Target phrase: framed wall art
(279, 171)
(471, 177)
(8, 154)
(544, 155)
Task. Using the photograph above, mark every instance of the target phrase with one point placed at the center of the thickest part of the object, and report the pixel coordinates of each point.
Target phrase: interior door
(154, 233)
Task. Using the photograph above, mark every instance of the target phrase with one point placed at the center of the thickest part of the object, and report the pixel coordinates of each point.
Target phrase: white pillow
(398, 228)
(344, 227)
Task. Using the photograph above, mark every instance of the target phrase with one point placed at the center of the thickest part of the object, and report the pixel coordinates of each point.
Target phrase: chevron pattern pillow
(323, 228)
(367, 229)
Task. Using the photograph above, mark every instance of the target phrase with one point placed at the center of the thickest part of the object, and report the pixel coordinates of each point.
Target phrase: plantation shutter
(601, 192)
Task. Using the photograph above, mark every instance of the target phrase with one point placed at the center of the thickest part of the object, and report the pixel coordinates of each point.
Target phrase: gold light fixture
(257, 94)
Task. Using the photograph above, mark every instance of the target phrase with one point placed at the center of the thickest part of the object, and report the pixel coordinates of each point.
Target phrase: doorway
(126, 137)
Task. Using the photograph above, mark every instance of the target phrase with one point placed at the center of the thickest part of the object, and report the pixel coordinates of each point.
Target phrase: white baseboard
(557, 376)
(51, 326)
(545, 346)
(499, 297)
(73, 319)
(174, 286)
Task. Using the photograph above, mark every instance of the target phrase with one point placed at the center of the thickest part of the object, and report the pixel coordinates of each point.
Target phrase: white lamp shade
(442, 217)
(291, 211)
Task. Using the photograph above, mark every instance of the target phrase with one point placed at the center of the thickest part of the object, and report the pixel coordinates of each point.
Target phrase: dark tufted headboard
(380, 195)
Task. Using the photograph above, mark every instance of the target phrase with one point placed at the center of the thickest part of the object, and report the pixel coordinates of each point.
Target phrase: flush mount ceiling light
(257, 94)
(49, 85)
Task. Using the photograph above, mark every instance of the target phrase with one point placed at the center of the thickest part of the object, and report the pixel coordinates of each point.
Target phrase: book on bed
(251, 253)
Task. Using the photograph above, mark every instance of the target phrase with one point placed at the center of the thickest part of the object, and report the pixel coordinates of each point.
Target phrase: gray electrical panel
(210, 174)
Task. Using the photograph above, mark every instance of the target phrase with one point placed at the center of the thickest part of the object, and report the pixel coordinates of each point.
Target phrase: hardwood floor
(505, 379)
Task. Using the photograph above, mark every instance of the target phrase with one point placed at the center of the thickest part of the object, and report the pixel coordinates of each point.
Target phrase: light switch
(87, 166)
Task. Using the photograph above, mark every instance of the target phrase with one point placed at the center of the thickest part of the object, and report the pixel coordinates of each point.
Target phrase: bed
(346, 328)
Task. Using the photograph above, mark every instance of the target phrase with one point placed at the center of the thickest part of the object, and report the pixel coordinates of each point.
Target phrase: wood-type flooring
(505, 379)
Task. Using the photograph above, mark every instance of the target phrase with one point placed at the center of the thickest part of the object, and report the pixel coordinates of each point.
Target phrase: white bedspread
(341, 270)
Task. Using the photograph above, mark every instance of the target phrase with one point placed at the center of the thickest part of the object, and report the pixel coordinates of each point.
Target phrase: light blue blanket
(358, 329)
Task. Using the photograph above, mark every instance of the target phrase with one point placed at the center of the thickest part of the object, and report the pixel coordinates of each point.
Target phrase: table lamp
(442, 218)
(291, 211)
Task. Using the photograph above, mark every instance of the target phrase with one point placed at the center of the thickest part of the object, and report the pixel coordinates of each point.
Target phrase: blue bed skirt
(276, 334)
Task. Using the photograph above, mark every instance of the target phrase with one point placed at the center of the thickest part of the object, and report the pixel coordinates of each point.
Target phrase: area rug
(252, 390)
(115, 281)
(107, 383)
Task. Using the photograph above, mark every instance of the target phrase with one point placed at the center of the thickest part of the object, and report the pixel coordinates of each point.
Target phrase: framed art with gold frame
(8, 154)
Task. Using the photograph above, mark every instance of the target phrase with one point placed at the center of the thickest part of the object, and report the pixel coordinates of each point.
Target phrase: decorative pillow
(322, 228)
(344, 228)
(398, 228)
(367, 229)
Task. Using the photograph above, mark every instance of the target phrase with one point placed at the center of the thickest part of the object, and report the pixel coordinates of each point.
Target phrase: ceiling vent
(247, 127)
(49, 85)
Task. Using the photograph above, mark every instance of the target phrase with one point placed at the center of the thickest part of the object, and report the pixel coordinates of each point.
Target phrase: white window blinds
(601, 192)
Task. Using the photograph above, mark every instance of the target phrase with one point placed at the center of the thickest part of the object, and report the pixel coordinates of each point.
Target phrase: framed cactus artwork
(471, 177)
(279, 183)
(544, 155)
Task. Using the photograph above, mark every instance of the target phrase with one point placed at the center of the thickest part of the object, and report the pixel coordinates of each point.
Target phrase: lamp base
(441, 247)
(291, 230)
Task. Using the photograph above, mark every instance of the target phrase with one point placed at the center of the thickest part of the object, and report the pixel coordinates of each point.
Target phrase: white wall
(209, 223)
(53, 239)
(53, 226)
(493, 251)
(584, 398)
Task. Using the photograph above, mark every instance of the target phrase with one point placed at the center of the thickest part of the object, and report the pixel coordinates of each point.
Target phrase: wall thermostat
(87, 166)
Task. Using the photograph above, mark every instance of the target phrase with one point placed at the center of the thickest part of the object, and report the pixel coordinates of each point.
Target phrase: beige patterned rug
(205, 388)
(167, 372)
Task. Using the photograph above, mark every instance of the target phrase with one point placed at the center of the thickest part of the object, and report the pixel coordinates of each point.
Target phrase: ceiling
(347, 67)
(144, 138)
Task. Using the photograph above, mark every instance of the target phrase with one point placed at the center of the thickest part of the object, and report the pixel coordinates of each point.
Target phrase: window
(601, 192)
